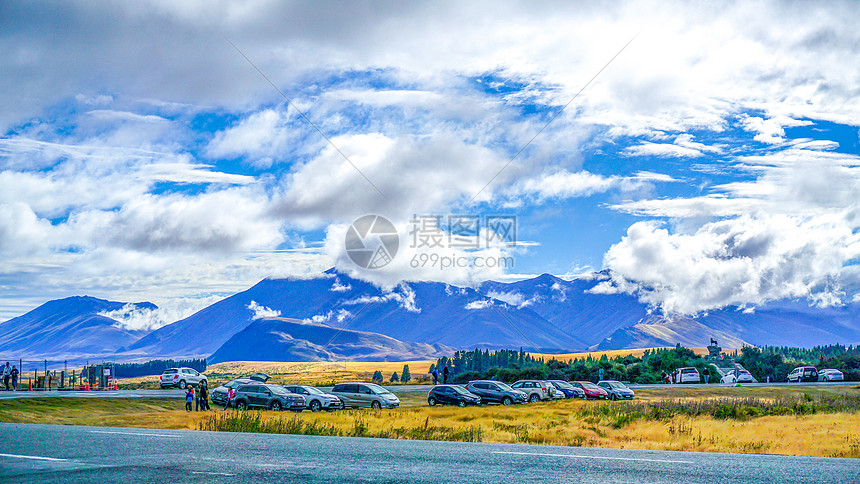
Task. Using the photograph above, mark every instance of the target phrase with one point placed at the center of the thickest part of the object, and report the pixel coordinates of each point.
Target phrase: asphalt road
(48, 453)
(399, 389)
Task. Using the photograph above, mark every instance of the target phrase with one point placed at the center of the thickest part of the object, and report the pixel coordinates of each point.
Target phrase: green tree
(405, 376)
(377, 376)
(394, 377)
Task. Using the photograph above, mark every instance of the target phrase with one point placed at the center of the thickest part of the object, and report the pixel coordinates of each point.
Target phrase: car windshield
(314, 390)
(235, 384)
(504, 387)
(459, 390)
(589, 385)
(617, 385)
(377, 389)
(563, 384)
(278, 390)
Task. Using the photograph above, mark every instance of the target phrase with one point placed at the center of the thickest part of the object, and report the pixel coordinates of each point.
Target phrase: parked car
(218, 395)
(315, 398)
(272, 397)
(830, 374)
(452, 395)
(803, 373)
(738, 376)
(568, 390)
(687, 375)
(182, 377)
(616, 390)
(365, 395)
(535, 390)
(496, 392)
(592, 391)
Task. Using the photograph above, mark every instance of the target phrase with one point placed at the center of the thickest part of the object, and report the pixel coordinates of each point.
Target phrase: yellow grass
(609, 354)
(553, 423)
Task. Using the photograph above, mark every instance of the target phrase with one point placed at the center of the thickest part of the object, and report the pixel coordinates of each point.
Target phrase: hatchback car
(218, 395)
(616, 390)
(568, 390)
(496, 392)
(535, 390)
(272, 397)
(737, 376)
(830, 374)
(803, 373)
(592, 391)
(315, 398)
(365, 395)
(452, 395)
(182, 378)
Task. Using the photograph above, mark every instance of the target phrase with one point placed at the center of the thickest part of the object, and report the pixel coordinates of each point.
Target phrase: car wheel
(375, 405)
(613, 397)
(534, 398)
(242, 405)
(507, 401)
(276, 406)
(431, 401)
(182, 384)
(461, 403)
(315, 406)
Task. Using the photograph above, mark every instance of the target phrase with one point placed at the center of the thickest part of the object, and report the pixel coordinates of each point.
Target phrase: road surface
(67, 454)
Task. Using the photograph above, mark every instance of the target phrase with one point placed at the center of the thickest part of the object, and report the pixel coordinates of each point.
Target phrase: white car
(182, 378)
(738, 376)
(687, 375)
(316, 399)
(830, 374)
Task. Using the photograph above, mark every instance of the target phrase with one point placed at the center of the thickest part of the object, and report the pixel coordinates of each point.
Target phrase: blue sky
(714, 162)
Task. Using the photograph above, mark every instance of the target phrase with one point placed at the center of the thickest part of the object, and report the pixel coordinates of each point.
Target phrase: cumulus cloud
(261, 312)
(740, 261)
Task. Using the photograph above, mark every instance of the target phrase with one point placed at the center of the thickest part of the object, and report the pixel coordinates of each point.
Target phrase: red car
(592, 391)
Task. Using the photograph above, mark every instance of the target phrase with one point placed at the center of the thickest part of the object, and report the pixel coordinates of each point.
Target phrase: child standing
(189, 398)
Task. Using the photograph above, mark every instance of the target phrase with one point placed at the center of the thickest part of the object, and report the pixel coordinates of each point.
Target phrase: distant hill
(282, 339)
(419, 312)
(67, 329)
(544, 314)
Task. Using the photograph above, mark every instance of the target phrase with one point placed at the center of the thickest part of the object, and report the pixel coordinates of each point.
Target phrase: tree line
(768, 362)
(156, 367)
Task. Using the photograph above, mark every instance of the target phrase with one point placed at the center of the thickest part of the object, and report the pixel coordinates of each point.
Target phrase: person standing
(445, 375)
(435, 376)
(14, 375)
(189, 399)
(7, 373)
(204, 397)
(230, 394)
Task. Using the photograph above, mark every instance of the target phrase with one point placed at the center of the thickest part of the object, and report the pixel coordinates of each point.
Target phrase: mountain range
(336, 317)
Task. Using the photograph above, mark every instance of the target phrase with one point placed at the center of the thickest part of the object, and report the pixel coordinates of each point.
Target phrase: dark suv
(496, 391)
(219, 395)
(272, 397)
(452, 395)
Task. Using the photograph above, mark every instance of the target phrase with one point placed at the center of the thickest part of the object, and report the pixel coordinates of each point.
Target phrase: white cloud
(261, 312)
(740, 261)
(479, 304)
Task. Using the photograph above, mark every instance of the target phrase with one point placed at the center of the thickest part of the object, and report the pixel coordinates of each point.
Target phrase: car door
(479, 389)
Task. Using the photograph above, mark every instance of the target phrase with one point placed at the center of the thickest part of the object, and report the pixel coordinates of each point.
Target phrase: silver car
(182, 377)
(535, 389)
(365, 395)
(316, 399)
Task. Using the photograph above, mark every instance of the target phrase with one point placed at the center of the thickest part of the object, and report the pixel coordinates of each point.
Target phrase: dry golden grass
(609, 354)
(554, 423)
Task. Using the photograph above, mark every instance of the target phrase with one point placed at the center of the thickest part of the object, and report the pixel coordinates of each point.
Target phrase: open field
(797, 420)
(612, 353)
